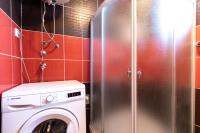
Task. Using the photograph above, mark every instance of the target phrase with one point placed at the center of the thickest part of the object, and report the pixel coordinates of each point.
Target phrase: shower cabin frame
(180, 101)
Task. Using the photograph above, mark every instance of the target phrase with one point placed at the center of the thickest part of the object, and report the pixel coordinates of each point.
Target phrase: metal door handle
(139, 74)
(129, 73)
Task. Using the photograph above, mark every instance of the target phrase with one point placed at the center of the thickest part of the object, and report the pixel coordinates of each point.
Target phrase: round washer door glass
(51, 121)
(51, 126)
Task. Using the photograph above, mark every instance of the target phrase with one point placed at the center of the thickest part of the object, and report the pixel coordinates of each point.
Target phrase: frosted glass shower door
(164, 56)
(116, 19)
(111, 68)
(155, 64)
(96, 124)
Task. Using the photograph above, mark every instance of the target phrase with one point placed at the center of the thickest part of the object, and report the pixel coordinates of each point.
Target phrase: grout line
(55, 34)
(54, 59)
(10, 55)
(21, 45)
(31, 58)
(80, 22)
(11, 43)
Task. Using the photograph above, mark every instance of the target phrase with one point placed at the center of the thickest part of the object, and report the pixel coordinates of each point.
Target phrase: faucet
(43, 66)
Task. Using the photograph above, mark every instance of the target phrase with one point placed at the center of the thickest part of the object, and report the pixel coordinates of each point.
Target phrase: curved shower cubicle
(142, 67)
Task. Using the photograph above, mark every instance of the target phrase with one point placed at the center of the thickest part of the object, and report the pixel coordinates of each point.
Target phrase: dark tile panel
(5, 5)
(16, 11)
(72, 22)
(88, 5)
(76, 18)
(76, 23)
(197, 129)
(31, 14)
(87, 86)
(197, 106)
(58, 19)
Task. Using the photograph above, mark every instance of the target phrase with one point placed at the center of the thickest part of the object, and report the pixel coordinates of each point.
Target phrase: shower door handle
(139, 74)
(129, 73)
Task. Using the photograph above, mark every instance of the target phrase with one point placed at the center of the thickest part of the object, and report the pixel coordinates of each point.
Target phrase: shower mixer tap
(43, 53)
(43, 66)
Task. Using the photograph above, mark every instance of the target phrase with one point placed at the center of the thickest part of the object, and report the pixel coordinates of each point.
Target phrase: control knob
(49, 99)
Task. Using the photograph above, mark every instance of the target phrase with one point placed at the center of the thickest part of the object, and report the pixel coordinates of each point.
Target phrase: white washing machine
(49, 107)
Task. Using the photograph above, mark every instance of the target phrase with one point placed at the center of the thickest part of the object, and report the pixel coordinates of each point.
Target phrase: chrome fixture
(56, 45)
(198, 44)
(43, 66)
(43, 53)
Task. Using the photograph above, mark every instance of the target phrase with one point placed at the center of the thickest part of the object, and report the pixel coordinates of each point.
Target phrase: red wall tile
(5, 33)
(5, 40)
(31, 42)
(197, 58)
(86, 49)
(16, 70)
(73, 70)
(75, 50)
(10, 65)
(6, 72)
(52, 52)
(73, 47)
(197, 72)
(86, 71)
(54, 70)
(31, 69)
(198, 33)
(15, 42)
(5, 20)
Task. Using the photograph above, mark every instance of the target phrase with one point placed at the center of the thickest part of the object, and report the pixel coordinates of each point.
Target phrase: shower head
(58, 2)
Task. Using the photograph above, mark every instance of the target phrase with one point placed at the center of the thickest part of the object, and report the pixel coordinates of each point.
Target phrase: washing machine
(49, 107)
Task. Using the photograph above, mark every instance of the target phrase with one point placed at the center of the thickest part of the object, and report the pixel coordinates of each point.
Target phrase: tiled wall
(71, 59)
(10, 60)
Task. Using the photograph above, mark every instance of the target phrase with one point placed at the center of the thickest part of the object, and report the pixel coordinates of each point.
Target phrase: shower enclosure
(142, 67)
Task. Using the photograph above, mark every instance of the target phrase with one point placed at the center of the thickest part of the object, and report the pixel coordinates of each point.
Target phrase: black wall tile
(72, 24)
(197, 106)
(49, 23)
(5, 5)
(197, 129)
(73, 19)
(13, 9)
(31, 14)
(89, 5)
(16, 11)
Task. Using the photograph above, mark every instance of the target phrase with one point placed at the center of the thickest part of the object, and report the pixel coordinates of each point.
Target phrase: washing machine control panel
(64, 96)
(74, 94)
(48, 98)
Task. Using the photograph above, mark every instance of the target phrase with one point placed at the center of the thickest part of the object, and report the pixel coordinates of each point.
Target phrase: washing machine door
(51, 121)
